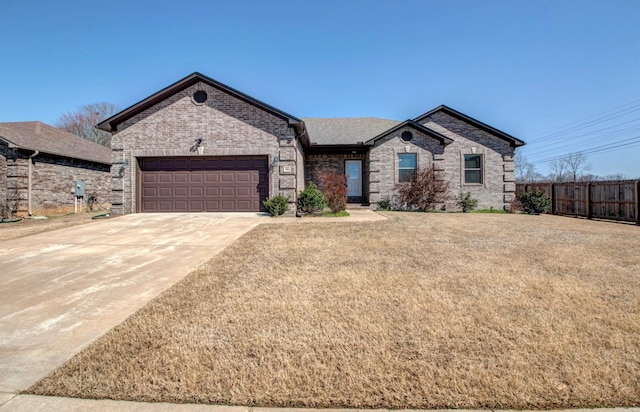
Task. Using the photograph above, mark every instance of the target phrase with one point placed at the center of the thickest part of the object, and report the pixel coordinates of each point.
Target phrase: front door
(353, 170)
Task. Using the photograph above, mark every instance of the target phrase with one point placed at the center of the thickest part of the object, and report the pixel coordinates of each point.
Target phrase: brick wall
(227, 125)
(498, 187)
(314, 163)
(51, 184)
(3, 184)
(383, 159)
(498, 184)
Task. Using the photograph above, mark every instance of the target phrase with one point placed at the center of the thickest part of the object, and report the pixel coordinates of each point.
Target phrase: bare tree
(82, 122)
(559, 170)
(571, 168)
(577, 165)
(524, 170)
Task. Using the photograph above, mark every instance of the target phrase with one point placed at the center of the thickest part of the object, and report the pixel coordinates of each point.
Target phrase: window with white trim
(473, 169)
(406, 167)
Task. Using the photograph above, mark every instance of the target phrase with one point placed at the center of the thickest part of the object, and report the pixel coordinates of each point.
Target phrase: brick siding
(228, 126)
(498, 184)
(52, 180)
(498, 187)
(315, 163)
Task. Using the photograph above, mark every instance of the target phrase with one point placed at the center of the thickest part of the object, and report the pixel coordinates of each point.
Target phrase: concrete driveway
(63, 289)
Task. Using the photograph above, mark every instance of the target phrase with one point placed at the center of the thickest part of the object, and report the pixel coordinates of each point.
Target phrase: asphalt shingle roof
(51, 140)
(346, 130)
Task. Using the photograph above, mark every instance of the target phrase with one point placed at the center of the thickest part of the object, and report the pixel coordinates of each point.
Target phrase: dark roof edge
(111, 124)
(444, 140)
(477, 123)
(51, 152)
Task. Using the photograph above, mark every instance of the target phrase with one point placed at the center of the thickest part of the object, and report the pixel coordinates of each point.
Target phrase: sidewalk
(32, 403)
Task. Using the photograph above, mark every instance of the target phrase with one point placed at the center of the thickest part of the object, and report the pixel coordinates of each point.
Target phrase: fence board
(600, 200)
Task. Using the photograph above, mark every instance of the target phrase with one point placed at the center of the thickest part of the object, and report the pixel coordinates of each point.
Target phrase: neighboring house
(199, 145)
(39, 164)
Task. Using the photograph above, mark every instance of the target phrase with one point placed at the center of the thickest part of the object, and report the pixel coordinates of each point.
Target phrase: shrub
(311, 199)
(385, 203)
(277, 205)
(334, 187)
(535, 202)
(466, 202)
(425, 189)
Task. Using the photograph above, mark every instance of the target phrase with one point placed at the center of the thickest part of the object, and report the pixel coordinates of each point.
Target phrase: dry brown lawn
(420, 311)
(30, 226)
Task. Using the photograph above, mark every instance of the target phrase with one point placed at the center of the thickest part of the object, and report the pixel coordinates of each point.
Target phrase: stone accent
(314, 163)
(52, 180)
(228, 126)
(383, 160)
(497, 155)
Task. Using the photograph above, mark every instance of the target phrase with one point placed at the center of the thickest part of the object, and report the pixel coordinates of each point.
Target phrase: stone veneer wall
(228, 126)
(3, 181)
(52, 180)
(314, 163)
(383, 159)
(498, 187)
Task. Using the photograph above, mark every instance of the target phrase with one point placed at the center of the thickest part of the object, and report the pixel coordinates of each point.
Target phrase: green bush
(535, 203)
(311, 199)
(385, 203)
(466, 202)
(277, 205)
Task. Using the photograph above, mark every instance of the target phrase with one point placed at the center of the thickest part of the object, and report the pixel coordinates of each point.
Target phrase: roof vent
(200, 96)
(406, 136)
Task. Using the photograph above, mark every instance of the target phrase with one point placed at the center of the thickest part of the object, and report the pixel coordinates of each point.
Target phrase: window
(473, 169)
(406, 167)
(200, 96)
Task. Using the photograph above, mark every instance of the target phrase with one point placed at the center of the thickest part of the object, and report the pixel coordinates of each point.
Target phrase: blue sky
(539, 70)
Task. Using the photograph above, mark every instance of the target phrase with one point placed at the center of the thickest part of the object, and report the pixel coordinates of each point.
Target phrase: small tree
(426, 188)
(311, 199)
(466, 202)
(277, 205)
(334, 187)
(535, 202)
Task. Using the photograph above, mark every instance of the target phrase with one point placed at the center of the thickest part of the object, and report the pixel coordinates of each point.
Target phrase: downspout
(36, 153)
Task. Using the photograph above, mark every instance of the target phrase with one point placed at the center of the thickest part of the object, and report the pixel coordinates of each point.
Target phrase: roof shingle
(346, 130)
(51, 140)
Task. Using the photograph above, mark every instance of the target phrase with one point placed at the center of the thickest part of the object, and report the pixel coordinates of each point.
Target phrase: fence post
(554, 209)
(637, 200)
(588, 201)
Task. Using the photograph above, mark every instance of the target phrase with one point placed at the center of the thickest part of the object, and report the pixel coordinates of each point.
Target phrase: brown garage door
(204, 184)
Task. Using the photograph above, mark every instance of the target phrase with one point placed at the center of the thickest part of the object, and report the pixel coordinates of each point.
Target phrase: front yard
(420, 311)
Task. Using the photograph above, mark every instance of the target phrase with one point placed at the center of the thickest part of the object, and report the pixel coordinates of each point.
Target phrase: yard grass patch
(419, 311)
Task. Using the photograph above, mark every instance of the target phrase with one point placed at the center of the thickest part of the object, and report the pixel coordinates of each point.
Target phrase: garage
(203, 184)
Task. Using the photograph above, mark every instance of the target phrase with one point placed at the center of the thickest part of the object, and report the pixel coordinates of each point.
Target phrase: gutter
(36, 153)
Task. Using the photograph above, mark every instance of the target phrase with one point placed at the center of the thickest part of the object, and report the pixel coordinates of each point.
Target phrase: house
(199, 145)
(39, 165)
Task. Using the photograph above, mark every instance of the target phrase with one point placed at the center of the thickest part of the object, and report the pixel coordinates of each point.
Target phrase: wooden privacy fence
(599, 200)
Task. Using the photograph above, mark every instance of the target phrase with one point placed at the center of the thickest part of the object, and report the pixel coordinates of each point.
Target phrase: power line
(605, 116)
(626, 143)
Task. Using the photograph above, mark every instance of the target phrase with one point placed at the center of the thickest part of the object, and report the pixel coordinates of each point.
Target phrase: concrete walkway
(31, 403)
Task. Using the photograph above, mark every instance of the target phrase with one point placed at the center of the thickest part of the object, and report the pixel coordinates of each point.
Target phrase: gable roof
(417, 126)
(111, 124)
(470, 120)
(48, 139)
(345, 130)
